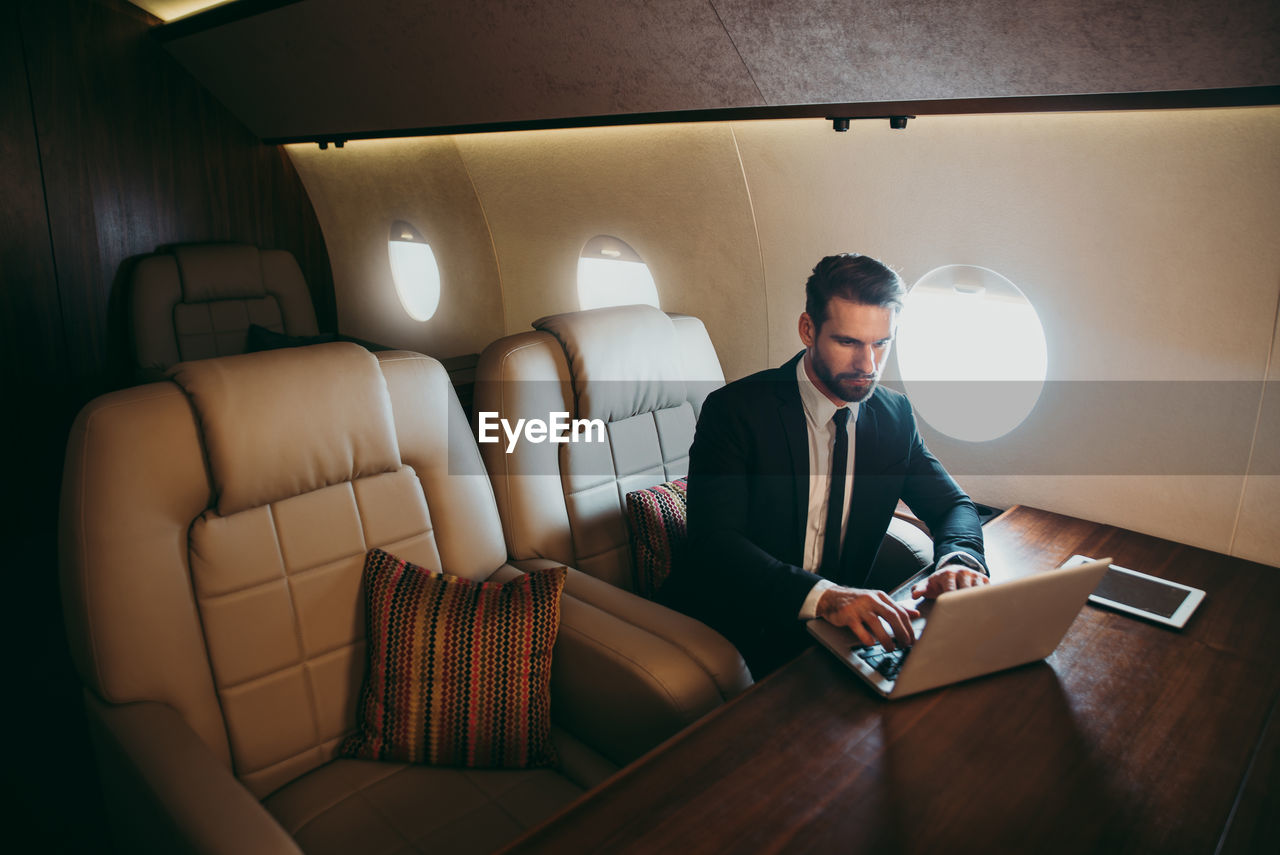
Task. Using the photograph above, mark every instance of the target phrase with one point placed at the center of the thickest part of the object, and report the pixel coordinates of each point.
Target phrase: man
(788, 506)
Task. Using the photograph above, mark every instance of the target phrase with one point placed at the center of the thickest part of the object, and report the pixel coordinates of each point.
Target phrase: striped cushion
(659, 525)
(459, 672)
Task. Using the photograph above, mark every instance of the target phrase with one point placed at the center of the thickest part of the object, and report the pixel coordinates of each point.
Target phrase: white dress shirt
(818, 411)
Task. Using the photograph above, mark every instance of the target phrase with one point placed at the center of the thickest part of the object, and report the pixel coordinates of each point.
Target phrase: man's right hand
(861, 610)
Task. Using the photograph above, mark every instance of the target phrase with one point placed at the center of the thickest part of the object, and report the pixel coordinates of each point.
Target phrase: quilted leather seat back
(241, 525)
(641, 373)
(198, 300)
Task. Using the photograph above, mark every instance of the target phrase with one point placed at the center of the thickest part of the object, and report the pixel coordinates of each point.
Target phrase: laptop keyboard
(888, 664)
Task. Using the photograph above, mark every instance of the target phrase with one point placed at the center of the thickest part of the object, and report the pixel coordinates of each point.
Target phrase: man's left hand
(952, 577)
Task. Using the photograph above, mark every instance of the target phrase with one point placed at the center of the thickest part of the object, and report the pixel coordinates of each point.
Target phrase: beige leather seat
(643, 372)
(196, 301)
(213, 531)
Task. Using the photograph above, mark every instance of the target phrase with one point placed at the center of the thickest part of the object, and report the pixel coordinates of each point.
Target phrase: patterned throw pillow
(458, 672)
(659, 524)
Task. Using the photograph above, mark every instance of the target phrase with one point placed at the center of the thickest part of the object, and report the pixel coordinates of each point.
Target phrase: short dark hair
(855, 277)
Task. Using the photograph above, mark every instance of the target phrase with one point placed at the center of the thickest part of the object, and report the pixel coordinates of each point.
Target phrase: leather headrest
(219, 272)
(623, 360)
(285, 422)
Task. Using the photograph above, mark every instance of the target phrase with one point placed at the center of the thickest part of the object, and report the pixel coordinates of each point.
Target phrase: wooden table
(1130, 737)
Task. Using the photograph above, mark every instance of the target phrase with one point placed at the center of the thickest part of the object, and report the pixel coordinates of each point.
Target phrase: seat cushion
(659, 521)
(459, 672)
(381, 808)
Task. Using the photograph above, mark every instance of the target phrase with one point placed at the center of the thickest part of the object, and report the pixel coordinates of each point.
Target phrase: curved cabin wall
(675, 194)
(1146, 241)
(358, 192)
(525, 204)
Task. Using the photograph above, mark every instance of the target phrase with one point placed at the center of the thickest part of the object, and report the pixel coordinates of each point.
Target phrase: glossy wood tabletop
(1129, 737)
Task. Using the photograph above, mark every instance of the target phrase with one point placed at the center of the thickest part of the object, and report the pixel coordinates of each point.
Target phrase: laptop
(971, 632)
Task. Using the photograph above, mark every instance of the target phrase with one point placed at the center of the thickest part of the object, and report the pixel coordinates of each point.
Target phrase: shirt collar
(817, 406)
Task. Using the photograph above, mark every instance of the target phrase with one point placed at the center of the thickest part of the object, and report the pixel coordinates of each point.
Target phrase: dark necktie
(835, 500)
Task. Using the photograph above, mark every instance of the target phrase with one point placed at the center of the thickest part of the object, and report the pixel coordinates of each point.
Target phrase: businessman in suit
(795, 472)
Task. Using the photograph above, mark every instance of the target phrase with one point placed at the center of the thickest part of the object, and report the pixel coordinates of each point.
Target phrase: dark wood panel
(30, 323)
(109, 151)
(137, 155)
(53, 749)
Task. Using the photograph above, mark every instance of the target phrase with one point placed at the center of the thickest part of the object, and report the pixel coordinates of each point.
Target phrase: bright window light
(971, 352)
(611, 273)
(414, 271)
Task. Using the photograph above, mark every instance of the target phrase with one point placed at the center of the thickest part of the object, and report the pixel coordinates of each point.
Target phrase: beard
(853, 387)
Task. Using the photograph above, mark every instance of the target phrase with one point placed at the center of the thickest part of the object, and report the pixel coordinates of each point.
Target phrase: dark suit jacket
(749, 502)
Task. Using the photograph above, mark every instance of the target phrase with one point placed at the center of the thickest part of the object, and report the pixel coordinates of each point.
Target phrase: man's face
(847, 355)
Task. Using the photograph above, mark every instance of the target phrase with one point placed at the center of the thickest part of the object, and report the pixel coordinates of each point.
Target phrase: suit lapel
(791, 414)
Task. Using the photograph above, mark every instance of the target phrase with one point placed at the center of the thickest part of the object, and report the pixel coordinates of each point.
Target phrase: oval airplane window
(611, 273)
(971, 351)
(414, 271)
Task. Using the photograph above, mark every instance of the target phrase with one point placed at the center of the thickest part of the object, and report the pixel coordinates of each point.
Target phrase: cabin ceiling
(334, 68)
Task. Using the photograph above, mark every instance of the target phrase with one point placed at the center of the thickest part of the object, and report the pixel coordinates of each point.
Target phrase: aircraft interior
(485, 207)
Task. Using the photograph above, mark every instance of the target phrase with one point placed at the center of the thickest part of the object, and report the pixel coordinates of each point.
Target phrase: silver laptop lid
(978, 631)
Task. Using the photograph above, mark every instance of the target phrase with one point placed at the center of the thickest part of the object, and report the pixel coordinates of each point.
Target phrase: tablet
(1144, 596)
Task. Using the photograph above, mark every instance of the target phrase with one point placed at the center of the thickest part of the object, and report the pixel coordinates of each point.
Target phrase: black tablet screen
(1146, 594)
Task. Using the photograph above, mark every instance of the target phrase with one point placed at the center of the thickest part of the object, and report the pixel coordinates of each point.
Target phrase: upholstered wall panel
(674, 193)
(358, 192)
(1146, 241)
(1257, 532)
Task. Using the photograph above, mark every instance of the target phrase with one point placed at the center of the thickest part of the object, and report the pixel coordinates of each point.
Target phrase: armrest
(167, 792)
(911, 540)
(704, 648)
(904, 514)
(905, 554)
(615, 686)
